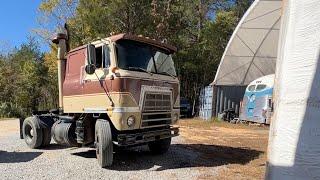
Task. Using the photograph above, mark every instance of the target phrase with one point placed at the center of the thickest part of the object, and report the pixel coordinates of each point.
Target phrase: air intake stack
(61, 39)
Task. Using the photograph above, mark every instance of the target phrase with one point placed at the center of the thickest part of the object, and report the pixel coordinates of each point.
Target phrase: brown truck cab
(118, 91)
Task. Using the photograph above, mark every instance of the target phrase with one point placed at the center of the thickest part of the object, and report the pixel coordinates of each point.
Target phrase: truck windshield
(138, 56)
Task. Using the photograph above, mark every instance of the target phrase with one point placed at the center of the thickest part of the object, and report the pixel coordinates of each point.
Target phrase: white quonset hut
(251, 53)
(294, 138)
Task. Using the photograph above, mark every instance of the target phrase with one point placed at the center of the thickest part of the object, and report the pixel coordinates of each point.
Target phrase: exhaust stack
(61, 40)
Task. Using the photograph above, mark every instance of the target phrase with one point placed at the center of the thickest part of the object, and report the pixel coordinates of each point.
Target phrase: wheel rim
(29, 133)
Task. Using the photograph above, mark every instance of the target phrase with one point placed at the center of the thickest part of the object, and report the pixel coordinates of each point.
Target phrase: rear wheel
(32, 132)
(46, 123)
(160, 146)
(103, 141)
(46, 137)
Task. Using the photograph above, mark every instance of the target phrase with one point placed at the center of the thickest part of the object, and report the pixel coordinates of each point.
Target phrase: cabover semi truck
(118, 91)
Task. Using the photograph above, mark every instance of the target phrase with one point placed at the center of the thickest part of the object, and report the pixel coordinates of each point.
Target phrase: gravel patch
(17, 161)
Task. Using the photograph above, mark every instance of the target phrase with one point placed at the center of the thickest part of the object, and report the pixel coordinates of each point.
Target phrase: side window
(99, 57)
(106, 56)
(252, 87)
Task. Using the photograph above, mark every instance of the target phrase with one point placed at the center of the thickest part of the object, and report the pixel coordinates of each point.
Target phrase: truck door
(95, 86)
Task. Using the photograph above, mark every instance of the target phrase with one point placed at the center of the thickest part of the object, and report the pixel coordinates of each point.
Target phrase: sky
(17, 19)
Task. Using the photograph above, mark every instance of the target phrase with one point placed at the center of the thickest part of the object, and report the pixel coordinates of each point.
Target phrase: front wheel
(160, 146)
(103, 141)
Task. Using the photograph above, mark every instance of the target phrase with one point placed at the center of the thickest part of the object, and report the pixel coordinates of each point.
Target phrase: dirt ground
(204, 150)
(240, 148)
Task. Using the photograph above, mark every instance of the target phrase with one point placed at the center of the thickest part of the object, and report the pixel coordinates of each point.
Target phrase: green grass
(214, 122)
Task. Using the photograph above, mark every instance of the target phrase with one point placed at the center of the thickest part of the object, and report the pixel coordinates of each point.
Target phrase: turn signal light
(113, 69)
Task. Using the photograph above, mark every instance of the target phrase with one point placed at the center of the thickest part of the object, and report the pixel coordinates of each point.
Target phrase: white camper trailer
(257, 100)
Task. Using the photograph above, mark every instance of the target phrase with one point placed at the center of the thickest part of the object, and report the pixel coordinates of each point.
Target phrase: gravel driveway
(183, 161)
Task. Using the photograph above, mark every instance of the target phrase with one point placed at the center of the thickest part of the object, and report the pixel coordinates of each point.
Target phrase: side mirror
(91, 59)
(90, 68)
(91, 54)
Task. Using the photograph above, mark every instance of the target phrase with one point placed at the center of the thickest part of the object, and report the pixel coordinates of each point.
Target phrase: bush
(11, 110)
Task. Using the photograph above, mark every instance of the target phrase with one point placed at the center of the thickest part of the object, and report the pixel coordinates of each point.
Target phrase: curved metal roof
(252, 48)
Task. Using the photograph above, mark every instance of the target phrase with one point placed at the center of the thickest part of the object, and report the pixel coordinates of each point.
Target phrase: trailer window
(261, 87)
(251, 88)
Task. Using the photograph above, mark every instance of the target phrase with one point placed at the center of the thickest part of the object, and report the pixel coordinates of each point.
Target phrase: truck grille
(156, 110)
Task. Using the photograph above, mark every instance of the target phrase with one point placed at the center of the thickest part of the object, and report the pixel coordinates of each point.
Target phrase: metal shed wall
(206, 102)
(227, 97)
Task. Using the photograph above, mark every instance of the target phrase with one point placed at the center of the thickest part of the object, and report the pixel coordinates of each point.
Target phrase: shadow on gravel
(55, 147)
(17, 157)
(178, 156)
(86, 154)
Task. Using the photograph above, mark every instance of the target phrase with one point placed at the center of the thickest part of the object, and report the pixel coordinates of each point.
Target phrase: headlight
(131, 121)
(175, 118)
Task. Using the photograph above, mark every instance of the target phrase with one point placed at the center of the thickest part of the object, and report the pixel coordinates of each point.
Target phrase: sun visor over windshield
(169, 48)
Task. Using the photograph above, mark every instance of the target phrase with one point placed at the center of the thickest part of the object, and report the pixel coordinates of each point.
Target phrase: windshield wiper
(139, 69)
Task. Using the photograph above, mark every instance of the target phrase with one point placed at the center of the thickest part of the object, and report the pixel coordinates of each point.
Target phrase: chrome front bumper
(145, 137)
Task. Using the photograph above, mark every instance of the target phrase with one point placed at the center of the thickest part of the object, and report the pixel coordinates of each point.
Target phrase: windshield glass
(138, 56)
(252, 88)
(261, 87)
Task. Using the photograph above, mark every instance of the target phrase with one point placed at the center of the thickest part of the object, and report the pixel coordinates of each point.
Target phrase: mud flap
(20, 126)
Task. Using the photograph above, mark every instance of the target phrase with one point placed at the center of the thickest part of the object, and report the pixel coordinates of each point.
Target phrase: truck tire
(46, 137)
(160, 146)
(103, 141)
(32, 132)
(46, 123)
